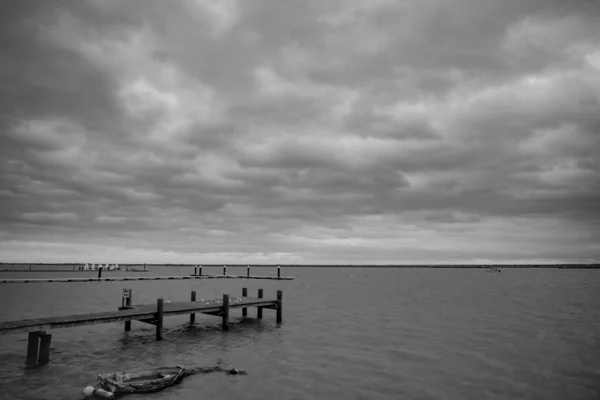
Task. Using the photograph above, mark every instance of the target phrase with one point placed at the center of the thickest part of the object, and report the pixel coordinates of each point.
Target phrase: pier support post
(225, 312)
(279, 308)
(248, 271)
(278, 271)
(259, 309)
(159, 318)
(125, 305)
(44, 356)
(99, 272)
(244, 294)
(224, 270)
(193, 315)
(33, 345)
(200, 270)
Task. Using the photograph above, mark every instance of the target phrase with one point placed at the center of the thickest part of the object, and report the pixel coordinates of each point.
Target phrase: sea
(347, 333)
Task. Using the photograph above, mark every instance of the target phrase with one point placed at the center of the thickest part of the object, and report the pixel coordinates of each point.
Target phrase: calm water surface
(347, 334)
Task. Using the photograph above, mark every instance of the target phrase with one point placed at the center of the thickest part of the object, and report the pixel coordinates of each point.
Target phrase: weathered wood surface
(140, 278)
(140, 312)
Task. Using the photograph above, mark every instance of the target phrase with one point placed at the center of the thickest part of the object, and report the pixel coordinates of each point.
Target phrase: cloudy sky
(312, 131)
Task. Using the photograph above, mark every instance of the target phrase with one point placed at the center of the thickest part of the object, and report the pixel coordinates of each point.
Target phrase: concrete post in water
(279, 308)
(244, 294)
(159, 318)
(259, 309)
(193, 315)
(44, 357)
(225, 312)
(248, 271)
(278, 271)
(33, 345)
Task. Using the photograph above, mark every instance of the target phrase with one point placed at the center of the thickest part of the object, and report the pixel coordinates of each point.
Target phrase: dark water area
(347, 333)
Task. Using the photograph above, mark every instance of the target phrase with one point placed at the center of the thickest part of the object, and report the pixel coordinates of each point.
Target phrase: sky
(300, 132)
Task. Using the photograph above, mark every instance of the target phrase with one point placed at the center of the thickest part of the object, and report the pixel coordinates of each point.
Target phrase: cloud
(318, 131)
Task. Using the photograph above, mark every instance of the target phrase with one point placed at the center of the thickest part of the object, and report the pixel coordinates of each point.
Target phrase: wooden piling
(33, 345)
(99, 272)
(200, 270)
(193, 315)
(279, 308)
(225, 312)
(44, 356)
(126, 304)
(278, 271)
(159, 318)
(244, 294)
(259, 310)
(248, 271)
(224, 270)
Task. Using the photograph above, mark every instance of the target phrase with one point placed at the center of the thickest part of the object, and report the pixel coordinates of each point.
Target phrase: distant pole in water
(248, 271)
(99, 272)
(224, 270)
(278, 271)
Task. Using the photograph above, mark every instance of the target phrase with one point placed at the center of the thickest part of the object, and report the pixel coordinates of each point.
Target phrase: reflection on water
(347, 333)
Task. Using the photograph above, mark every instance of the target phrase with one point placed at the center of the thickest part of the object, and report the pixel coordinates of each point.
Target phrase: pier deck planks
(140, 312)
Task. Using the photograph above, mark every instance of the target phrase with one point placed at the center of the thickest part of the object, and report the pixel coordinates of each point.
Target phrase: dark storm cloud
(259, 131)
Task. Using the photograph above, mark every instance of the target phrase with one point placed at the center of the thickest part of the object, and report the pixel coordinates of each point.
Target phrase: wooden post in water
(224, 270)
(99, 272)
(244, 294)
(44, 357)
(159, 318)
(279, 309)
(225, 312)
(126, 304)
(33, 345)
(278, 271)
(248, 271)
(193, 315)
(200, 270)
(259, 309)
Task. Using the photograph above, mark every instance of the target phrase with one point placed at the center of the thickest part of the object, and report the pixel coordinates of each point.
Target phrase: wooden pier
(196, 275)
(38, 346)
(142, 278)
